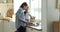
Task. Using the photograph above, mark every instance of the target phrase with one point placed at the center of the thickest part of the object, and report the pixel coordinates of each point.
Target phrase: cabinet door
(9, 26)
(36, 30)
(55, 26)
(31, 30)
(59, 26)
(28, 29)
(1, 26)
(6, 26)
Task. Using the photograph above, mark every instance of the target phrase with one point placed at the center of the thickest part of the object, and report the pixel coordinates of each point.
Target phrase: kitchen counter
(35, 27)
(5, 18)
(30, 26)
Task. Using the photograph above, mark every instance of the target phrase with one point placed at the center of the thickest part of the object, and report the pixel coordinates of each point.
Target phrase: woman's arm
(30, 16)
(20, 16)
(26, 22)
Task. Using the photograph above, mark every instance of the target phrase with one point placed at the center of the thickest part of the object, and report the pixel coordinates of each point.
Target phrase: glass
(36, 9)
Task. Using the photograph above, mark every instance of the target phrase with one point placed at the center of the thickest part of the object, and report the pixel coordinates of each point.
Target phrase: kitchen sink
(35, 24)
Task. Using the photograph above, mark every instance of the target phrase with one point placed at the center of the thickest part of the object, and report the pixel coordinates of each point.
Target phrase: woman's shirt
(20, 14)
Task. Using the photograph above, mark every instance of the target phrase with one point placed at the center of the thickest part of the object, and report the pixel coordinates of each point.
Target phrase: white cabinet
(1, 25)
(31, 30)
(6, 26)
(9, 26)
(28, 29)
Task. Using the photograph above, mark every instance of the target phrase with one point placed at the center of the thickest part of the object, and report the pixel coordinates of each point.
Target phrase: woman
(20, 18)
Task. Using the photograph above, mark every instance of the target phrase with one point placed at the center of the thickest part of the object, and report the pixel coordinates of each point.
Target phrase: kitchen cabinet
(56, 26)
(6, 26)
(9, 26)
(31, 30)
(1, 26)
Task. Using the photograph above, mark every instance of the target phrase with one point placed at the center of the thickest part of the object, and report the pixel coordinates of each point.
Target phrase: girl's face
(25, 7)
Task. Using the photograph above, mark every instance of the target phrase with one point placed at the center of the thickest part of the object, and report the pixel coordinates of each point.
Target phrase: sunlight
(34, 7)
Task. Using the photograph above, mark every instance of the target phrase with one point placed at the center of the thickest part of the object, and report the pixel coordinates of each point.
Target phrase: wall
(3, 8)
(52, 14)
(44, 18)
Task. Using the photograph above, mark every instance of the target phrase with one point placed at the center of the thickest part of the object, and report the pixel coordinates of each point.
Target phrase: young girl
(27, 15)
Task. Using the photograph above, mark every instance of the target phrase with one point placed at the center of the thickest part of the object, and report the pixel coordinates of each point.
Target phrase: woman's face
(26, 10)
(25, 7)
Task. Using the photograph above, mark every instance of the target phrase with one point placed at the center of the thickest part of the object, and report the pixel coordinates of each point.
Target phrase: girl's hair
(23, 4)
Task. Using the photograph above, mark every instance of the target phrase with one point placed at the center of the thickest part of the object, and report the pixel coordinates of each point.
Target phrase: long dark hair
(23, 4)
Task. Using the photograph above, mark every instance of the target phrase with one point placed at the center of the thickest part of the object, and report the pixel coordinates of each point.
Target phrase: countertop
(5, 18)
(35, 27)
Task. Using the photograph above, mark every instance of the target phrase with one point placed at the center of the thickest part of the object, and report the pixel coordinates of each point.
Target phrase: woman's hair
(23, 4)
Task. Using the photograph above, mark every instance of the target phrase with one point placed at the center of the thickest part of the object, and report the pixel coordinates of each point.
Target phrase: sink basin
(35, 24)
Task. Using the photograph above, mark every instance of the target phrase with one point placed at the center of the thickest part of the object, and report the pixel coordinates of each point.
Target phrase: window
(34, 5)
(17, 4)
(36, 9)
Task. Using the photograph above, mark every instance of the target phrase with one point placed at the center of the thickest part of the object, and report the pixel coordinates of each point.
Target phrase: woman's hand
(28, 23)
